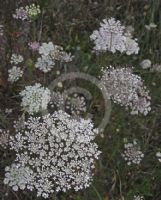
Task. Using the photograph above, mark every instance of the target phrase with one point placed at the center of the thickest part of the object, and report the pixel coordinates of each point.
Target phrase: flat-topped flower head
(35, 98)
(112, 26)
(53, 153)
(46, 48)
(18, 177)
(16, 59)
(132, 153)
(76, 104)
(138, 197)
(158, 155)
(14, 74)
(4, 138)
(28, 12)
(126, 89)
(33, 10)
(131, 46)
(21, 14)
(112, 36)
(1, 30)
(50, 53)
(45, 63)
(34, 46)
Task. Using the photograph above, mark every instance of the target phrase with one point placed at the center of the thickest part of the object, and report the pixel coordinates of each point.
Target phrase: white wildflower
(150, 26)
(66, 57)
(59, 54)
(126, 89)
(18, 177)
(132, 153)
(21, 14)
(34, 46)
(45, 63)
(156, 67)
(14, 74)
(1, 29)
(138, 197)
(158, 155)
(59, 152)
(33, 10)
(111, 36)
(16, 59)
(4, 137)
(51, 53)
(58, 100)
(145, 64)
(131, 46)
(129, 29)
(55, 51)
(19, 124)
(35, 98)
(27, 13)
(8, 110)
(46, 48)
(76, 104)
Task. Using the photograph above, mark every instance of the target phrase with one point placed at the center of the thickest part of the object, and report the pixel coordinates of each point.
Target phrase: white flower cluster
(131, 45)
(14, 74)
(53, 153)
(156, 68)
(18, 176)
(1, 30)
(33, 10)
(111, 36)
(35, 98)
(46, 48)
(45, 63)
(58, 100)
(25, 13)
(16, 59)
(8, 111)
(76, 104)
(49, 54)
(138, 197)
(126, 89)
(4, 136)
(20, 14)
(158, 155)
(132, 153)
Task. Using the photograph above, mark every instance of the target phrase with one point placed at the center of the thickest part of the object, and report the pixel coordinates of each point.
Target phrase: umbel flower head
(53, 153)
(76, 104)
(1, 30)
(111, 36)
(4, 137)
(21, 14)
(28, 12)
(14, 74)
(132, 153)
(51, 53)
(16, 59)
(35, 98)
(126, 89)
(138, 197)
(33, 10)
(158, 155)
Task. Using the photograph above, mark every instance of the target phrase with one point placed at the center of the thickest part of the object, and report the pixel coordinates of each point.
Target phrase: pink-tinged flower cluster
(34, 46)
(126, 89)
(21, 13)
